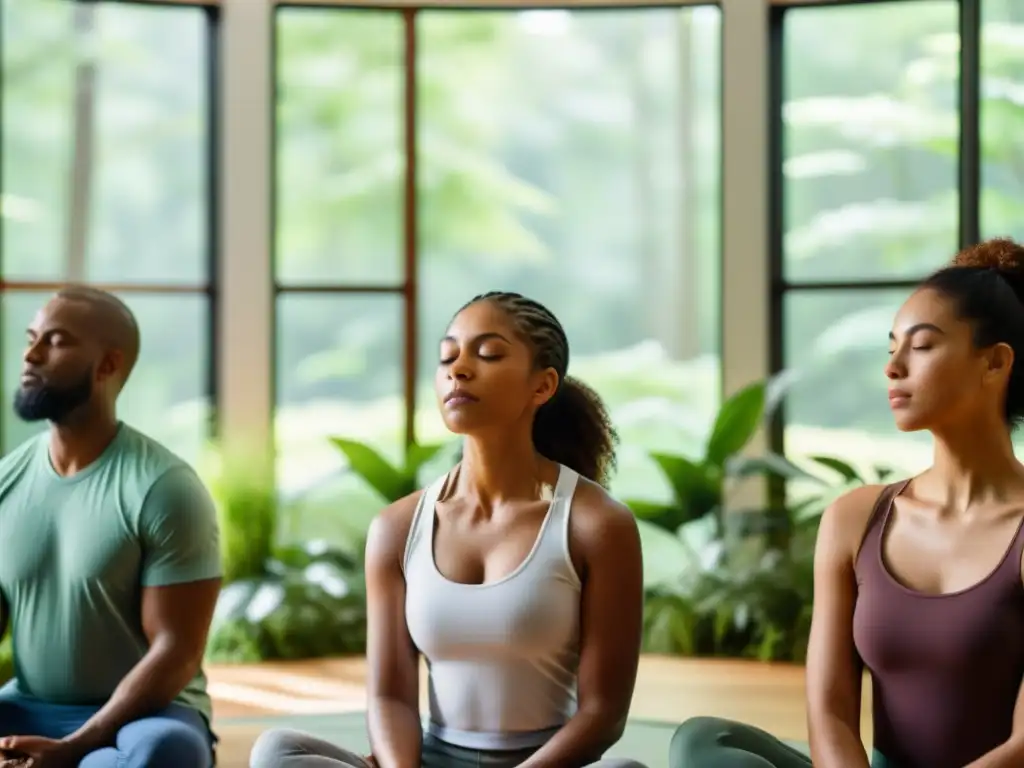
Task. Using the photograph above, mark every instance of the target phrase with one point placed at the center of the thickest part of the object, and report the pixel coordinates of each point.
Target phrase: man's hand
(40, 752)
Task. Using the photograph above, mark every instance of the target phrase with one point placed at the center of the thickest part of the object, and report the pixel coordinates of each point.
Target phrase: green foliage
(808, 507)
(712, 604)
(247, 515)
(6, 659)
(697, 484)
(310, 602)
(471, 202)
(300, 601)
(390, 481)
(762, 611)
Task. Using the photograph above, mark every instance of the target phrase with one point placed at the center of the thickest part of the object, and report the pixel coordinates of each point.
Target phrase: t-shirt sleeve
(180, 536)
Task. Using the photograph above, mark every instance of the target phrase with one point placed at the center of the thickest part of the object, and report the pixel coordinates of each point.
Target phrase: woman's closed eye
(491, 358)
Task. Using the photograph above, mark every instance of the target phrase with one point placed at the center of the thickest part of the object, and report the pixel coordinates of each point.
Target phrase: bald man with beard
(109, 564)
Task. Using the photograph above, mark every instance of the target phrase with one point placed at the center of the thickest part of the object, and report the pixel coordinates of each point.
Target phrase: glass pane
(339, 373)
(167, 394)
(130, 128)
(1002, 118)
(871, 132)
(836, 342)
(340, 162)
(574, 156)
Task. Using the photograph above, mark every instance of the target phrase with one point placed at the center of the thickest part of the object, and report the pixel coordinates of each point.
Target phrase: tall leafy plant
(697, 483)
(391, 481)
(300, 601)
(816, 487)
(761, 609)
(309, 601)
(247, 514)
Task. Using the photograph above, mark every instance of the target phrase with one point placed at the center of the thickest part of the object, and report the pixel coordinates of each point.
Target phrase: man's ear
(111, 364)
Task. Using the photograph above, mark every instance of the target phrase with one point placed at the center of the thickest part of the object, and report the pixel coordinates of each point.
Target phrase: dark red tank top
(945, 669)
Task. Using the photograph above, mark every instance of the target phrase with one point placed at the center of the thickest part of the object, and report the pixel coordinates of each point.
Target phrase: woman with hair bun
(920, 581)
(516, 575)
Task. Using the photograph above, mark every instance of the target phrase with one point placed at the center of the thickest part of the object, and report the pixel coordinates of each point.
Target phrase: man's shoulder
(144, 460)
(147, 453)
(14, 462)
(147, 468)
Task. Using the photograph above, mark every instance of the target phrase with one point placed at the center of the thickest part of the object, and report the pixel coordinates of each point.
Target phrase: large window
(898, 127)
(1002, 118)
(505, 113)
(106, 158)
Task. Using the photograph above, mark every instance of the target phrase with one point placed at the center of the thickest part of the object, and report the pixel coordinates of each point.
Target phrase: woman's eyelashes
(916, 348)
(490, 357)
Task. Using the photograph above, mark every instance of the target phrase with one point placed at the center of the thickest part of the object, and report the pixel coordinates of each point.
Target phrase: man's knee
(167, 744)
(273, 746)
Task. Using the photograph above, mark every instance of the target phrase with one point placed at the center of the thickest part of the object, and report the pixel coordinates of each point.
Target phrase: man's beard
(41, 401)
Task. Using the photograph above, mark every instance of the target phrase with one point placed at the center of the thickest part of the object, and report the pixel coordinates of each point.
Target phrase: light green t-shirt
(75, 553)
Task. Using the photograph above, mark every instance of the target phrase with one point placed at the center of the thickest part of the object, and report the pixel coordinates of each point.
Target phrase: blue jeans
(177, 737)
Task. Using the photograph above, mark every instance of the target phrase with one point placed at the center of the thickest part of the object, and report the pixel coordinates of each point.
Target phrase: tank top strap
(422, 527)
(872, 538)
(561, 498)
(1015, 553)
(555, 532)
(561, 501)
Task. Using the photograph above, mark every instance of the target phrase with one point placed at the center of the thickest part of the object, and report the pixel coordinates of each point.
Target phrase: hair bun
(1000, 253)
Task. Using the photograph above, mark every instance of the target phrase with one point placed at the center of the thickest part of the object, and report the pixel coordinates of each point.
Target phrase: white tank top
(502, 656)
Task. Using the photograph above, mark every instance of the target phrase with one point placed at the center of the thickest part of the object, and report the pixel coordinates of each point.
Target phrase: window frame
(968, 182)
(408, 288)
(210, 286)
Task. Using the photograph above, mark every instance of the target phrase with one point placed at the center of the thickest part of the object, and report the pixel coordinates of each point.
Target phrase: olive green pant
(711, 742)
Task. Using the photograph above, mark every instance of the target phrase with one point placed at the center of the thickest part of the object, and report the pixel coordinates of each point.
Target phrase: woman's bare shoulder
(846, 519)
(595, 512)
(389, 530)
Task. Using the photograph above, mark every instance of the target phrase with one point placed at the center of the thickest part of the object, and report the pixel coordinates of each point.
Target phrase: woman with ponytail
(515, 575)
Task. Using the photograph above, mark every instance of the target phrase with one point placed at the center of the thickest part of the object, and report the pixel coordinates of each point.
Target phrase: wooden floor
(668, 689)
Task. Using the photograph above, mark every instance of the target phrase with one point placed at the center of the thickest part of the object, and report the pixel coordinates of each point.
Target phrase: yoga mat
(644, 740)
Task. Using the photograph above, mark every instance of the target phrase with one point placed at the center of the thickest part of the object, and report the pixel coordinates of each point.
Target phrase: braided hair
(573, 427)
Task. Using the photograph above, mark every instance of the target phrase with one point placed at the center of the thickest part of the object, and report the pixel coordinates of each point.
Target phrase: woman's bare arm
(393, 695)
(606, 537)
(834, 669)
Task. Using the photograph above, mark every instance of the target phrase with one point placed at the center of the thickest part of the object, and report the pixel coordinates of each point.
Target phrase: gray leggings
(710, 742)
(284, 748)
